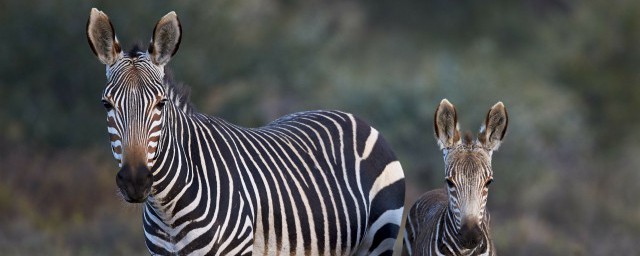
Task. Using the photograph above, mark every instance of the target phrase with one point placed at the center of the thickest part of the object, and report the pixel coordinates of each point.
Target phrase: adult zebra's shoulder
(454, 220)
(311, 183)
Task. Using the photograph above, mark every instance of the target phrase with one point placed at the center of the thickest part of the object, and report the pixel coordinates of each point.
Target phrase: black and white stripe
(310, 183)
(292, 187)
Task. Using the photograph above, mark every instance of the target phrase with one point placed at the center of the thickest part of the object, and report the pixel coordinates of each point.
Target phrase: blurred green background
(566, 177)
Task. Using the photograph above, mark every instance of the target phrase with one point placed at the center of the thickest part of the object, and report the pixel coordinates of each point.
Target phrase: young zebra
(312, 183)
(454, 221)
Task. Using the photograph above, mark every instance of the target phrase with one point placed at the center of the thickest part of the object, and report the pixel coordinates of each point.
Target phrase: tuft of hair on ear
(445, 125)
(495, 127)
(166, 39)
(102, 38)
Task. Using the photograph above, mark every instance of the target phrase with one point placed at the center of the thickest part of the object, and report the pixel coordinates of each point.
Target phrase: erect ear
(495, 127)
(102, 37)
(166, 39)
(445, 125)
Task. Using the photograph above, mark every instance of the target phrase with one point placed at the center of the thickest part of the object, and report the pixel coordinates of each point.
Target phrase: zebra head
(135, 98)
(468, 170)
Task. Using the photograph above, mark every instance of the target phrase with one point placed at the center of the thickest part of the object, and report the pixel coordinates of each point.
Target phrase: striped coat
(311, 183)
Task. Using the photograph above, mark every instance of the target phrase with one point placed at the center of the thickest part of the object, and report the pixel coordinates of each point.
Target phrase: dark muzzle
(134, 183)
(470, 233)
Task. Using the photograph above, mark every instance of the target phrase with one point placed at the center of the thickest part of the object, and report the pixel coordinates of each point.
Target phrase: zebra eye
(449, 182)
(161, 103)
(107, 105)
(488, 182)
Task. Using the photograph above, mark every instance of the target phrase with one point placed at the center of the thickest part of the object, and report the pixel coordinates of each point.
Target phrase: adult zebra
(311, 183)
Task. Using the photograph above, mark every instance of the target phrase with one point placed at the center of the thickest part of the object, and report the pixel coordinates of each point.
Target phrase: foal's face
(468, 175)
(468, 170)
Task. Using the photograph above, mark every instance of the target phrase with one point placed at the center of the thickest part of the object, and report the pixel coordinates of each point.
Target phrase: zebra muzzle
(470, 232)
(134, 183)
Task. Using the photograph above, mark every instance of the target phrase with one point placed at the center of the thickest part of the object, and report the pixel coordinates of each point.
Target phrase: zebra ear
(445, 125)
(495, 127)
(102, 37)
(166, 39)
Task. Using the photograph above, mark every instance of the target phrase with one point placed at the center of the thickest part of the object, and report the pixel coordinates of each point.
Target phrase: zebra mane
(467, 139)
(136, 50)
(178, 93)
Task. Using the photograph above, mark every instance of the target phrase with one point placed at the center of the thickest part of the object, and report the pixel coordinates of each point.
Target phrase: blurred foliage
(566, 176)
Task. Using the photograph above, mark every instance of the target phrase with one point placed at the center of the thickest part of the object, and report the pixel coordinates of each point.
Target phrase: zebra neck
(186, 175)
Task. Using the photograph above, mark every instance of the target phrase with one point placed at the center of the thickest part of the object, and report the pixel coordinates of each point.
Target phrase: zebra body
(272, 189)
(310, 183)
(453, 220)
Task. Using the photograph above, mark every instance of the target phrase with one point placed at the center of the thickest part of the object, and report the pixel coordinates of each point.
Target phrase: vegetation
(565, 178)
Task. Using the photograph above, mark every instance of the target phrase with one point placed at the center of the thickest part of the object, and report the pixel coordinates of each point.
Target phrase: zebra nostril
(149, 177)
(120, 176)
